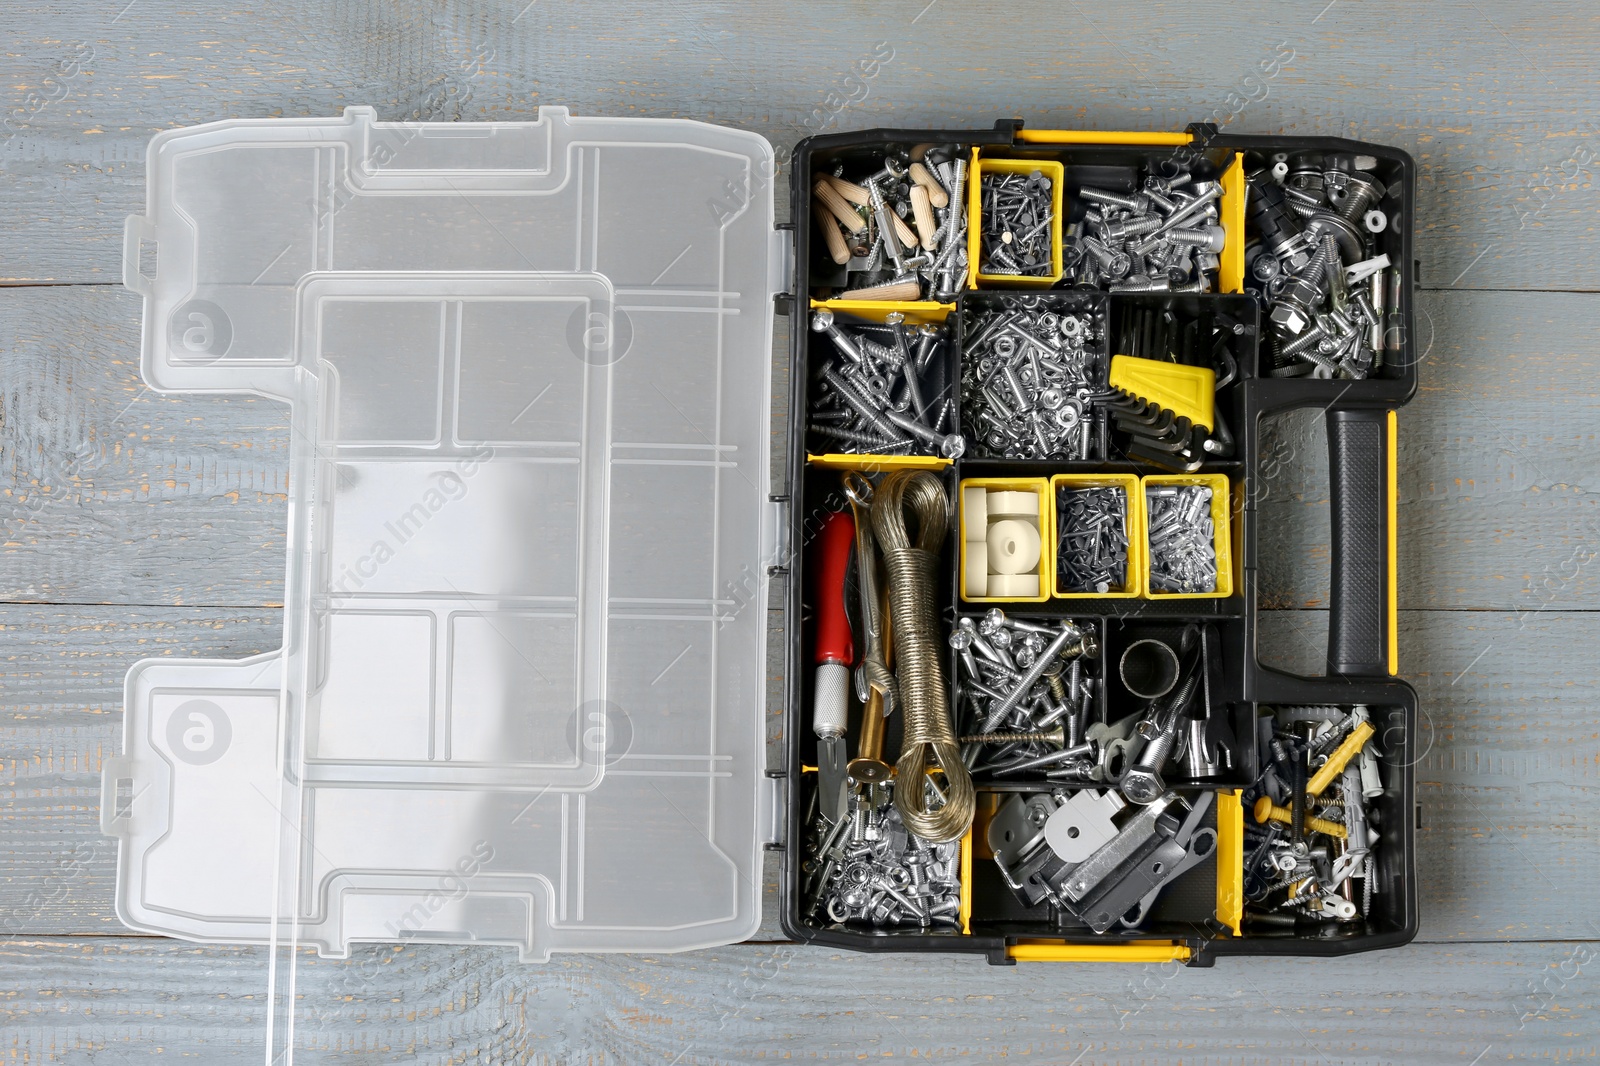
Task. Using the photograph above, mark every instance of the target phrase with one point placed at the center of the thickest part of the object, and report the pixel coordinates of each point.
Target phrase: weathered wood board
(139, 524)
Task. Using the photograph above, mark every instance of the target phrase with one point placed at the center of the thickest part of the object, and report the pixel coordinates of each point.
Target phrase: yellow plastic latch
(1189, 391)
(1120, 951)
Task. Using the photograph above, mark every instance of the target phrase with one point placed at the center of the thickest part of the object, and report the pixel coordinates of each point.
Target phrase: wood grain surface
(142, 525)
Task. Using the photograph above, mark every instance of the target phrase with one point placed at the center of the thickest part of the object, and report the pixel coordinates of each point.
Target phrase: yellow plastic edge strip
(876, 463)
(1392, 444)
(916, 311)
(1100, 137)
(1230, 860)
(974, 217)
(1138, 951)
(1230, 273)
(965, 910)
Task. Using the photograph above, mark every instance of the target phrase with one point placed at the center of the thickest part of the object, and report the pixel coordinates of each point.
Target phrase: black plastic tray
(1358, 424)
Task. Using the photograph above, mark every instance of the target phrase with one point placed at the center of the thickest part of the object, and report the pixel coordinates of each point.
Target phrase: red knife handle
(829, 563)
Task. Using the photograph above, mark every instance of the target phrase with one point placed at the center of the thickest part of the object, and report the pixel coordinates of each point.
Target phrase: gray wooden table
(139, 525)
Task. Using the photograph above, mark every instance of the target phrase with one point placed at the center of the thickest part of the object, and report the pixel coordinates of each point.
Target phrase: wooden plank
(70, 1000)
(1507, 777)
(120, 495)
(1506, 729)
(1505, 144)
(114, 493)
(62, 670)
(1497, 460)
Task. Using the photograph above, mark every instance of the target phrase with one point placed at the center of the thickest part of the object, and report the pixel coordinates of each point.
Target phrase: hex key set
(1069, 340)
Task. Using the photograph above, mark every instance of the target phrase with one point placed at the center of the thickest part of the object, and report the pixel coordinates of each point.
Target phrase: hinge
(775, 544)
(774, 795)
(780, 260)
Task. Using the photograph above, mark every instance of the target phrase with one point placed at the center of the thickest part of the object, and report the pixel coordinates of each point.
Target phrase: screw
(1360, 193)
(1029, 374)
(1086, 750)
(1055, 736)
(822, 322)
(872, 397)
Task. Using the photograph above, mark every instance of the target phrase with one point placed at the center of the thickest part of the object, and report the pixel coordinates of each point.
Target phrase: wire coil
(929, 737)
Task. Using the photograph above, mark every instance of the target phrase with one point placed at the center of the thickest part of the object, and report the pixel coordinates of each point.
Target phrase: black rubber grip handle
(1358, 621)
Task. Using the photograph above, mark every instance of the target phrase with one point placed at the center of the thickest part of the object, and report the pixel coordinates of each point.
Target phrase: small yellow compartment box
(1007, 534)
(1134, 582)
(1055, 172)
(1222, 542)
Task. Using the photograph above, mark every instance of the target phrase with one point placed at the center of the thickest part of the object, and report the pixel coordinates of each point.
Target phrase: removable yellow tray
(1134, 583)
(1047, 558)
(1051, 169)
(1222, 541)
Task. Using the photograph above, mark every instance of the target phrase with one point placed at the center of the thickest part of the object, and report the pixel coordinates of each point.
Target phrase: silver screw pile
(1028, 380)
(1333, 306)
(883, 391)
(1028, 680)
(1092, 547)
(1163, 237)
(868, 868)
(1183, 550)
(1017, 215)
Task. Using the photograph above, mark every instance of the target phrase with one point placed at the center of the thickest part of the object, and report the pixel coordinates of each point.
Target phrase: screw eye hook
(858, 488)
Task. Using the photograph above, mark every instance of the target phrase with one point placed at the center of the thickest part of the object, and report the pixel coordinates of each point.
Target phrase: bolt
(822, 322)
(1086, 750)
(1360, 193)
(1337, 204)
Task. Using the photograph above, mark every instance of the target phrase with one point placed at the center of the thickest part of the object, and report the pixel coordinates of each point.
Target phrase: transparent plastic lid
(520, 698)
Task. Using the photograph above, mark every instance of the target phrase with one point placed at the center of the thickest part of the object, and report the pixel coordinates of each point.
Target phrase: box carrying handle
(1363, 607)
